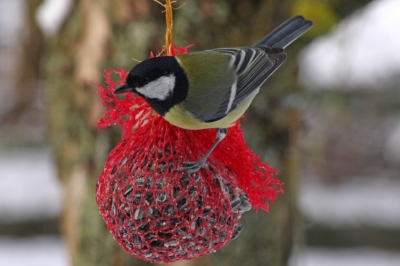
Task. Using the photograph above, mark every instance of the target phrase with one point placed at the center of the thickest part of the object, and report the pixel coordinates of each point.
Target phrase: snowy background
(359, 54)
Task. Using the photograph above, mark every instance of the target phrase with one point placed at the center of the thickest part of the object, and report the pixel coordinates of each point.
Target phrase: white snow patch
(360, 52)
(362, 201)
(37, 251)
(52, 14)
(345, 257)
(29, 188)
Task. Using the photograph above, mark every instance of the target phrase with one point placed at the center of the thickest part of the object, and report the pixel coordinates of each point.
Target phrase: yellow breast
(181, 118)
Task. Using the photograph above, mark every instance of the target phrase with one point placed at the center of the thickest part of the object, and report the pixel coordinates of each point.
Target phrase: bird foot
(193, 167)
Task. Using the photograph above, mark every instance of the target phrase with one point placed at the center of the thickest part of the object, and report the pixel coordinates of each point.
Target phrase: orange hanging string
(168, 33)
(168, 18)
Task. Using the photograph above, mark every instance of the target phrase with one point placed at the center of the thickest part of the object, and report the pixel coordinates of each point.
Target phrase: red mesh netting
(158, 213)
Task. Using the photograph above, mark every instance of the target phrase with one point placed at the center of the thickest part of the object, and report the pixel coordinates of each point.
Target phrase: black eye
(145, 81)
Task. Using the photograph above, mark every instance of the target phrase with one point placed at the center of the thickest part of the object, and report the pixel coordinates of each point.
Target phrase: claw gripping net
(160, 214)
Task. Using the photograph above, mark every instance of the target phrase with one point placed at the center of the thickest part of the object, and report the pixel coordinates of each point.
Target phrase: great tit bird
(212, 88)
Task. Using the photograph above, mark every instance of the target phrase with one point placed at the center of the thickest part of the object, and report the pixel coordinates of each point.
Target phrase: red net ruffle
(158, 213)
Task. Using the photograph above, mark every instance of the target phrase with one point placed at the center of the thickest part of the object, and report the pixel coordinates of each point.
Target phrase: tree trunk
(28, 72)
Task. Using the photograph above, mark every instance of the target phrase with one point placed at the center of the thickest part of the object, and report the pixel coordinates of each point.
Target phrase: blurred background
(328, 120)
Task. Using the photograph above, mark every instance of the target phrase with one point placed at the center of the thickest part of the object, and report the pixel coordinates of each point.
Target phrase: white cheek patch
(159, 89)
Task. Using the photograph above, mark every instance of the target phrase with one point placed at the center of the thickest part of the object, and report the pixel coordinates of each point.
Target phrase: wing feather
(252, 67)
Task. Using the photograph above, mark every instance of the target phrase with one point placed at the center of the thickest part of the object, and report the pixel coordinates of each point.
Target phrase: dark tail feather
(286, 33)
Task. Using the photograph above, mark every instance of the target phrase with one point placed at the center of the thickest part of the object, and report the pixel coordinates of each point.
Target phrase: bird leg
(193, 167)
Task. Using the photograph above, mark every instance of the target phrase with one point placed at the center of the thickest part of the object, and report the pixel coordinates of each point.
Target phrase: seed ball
(159, 214)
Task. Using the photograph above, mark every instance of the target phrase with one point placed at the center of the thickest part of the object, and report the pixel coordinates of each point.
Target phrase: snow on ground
(29, 188)
(43, 251)
(360, 51)
(37, 251)
(364, 201)
(345, 257)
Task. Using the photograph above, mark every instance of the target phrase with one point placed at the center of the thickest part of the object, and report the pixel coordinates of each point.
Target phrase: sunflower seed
(184, 181)
(162, 197)
(204, 239)
(157, 244)
(238, 229)
(171, 243)
(138, 240)
(148, 255)
(244, 207)
(206, 211)
(175, 191)
(179, 248)
(161, 223)
(128, 245)
(121, 217)
(162, 167)
(149, 236)
(180, 254)
(200, 202)
(187, 237)
(222, 220)
(182, 204)
(113, 208)
(174, 221)
(115, 186)
(160, 184)
(113, 171)
(222, 236)
(149, 182)
(154, 213)
(209, 245)
(165, 235)
(235, 203)
(229, 223)
(127, 209)
(139, 214)
(123, 232)
(128, 192)
(192, 193)
(215, 230)
(230, 190)
(123, 161)
(180, 232)
(211, 222)
(169, 210)
(131, 226)
(190, 244)
(140, 181)
(196, 249)
(243, 196)
(201, 232)
(121, 174)
(167, 151)
(138, 195)
(149, 198)
(144, 227)
(196, 224)
(110, 218)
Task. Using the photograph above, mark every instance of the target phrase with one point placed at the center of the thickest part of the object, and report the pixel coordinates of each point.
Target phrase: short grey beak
(123, 88)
